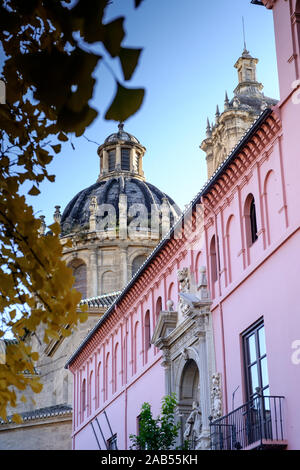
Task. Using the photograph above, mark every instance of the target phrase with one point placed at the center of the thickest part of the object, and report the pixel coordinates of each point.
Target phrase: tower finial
(226, 101)
(245, 51)
(121, 126)
(208, 129)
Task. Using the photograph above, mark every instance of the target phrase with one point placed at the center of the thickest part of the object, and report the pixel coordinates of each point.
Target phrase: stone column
(165, 220)
(118, 157)
(123, 216)
(166, 364)
(93, 288)
(204, 387)
(104, 163)
(132, 159)
(140, 165)
(124, 266)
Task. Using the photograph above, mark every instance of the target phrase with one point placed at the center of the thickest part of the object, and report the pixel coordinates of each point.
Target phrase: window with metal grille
(125, 159)
(111, 160)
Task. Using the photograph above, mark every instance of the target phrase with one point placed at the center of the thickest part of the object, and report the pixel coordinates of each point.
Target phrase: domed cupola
(121, 153)
(115, 223)
(121, 188)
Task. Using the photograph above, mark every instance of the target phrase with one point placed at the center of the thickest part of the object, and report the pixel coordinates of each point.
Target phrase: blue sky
(189, 50)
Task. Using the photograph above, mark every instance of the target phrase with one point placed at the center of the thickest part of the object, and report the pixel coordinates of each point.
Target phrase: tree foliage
(157, 433)
(48, 74)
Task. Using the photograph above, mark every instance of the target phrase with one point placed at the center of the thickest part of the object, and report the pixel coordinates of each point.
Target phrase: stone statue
(183, 278)
(193, 425)
(216, 396)
(184, 286)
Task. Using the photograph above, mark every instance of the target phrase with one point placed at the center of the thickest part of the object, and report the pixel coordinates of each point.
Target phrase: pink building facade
(213, 314)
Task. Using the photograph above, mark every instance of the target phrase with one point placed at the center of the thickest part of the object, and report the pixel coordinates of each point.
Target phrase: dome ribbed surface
(121, 135)
(76, 214)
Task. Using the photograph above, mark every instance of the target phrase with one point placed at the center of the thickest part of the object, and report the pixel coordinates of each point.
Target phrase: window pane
(111, 160)
(262, 341)
(264, 372)
(252, 348)
(125, 160)
(254, 378)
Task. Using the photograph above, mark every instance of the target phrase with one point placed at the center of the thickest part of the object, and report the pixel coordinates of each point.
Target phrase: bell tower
(246, 68)
(239, 113)
(121, 154)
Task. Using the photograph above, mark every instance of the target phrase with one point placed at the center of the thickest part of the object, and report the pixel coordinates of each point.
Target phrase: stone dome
(77, 213)
(121, 135)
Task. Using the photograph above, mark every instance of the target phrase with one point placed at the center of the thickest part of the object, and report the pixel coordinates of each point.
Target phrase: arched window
(197, 266)
(80, 274)
(253, 221)
(111, 160)
(250, 219)
(125, 159)
(124, 361)
(171, 292)
(158, 307)
(108, 282)
(107, 375)
(213, 261)
(135, 345)
(99, 384)
(147, 337)
(137, 263)
(83, 399)
(90, 393)
(65, 389)
(230, 245)
(117, 367)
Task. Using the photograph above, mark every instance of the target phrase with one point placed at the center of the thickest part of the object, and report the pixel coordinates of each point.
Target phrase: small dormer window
(111, 160)
(248, 74)
(125, 159)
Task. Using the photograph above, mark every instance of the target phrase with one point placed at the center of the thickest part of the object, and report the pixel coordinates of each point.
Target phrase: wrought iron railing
(255, 423)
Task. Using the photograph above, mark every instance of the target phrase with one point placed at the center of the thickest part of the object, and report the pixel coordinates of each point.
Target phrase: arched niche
(137, 263)
(80, 273)
(189, 384)
(108, 282)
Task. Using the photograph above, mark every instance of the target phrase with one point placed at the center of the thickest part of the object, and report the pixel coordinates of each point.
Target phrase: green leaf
(129, 59)
(127, 101)
(34, 191)
(56, 148)
(71, 121)
(113, 36)
(62, 137)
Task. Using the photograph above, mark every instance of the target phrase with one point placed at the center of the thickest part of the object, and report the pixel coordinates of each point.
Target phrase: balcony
(256, 425)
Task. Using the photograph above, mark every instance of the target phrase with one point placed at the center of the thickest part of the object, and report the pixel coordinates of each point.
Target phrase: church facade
(185, 303)
(212, 313)
(113, 226)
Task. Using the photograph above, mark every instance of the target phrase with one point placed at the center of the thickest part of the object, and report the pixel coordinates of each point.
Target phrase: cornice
(240, 169)
(269, 3)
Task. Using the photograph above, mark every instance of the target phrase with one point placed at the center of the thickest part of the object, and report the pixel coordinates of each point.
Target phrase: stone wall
(49, 434)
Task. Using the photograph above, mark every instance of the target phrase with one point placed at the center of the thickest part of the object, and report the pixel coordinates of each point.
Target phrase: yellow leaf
(36, 387)
(17, 418)
(34, 191)
(34, 356)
